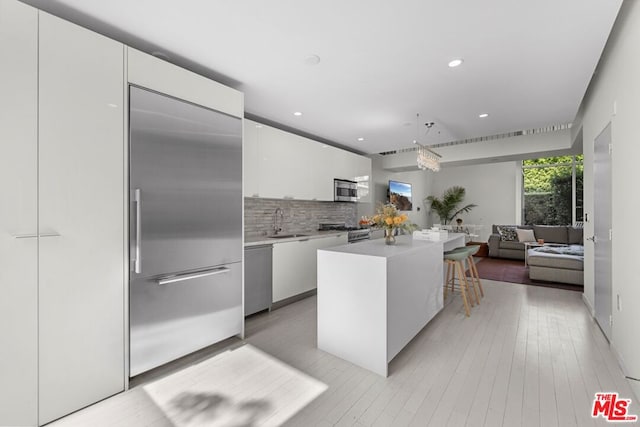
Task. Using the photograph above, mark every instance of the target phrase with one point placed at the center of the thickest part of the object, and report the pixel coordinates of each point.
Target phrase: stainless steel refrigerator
(185, 228)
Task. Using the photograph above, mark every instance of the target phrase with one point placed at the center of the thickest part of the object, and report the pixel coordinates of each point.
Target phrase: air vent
(552, 128)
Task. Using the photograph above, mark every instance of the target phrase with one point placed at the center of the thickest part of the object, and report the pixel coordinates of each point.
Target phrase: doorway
(602, 230)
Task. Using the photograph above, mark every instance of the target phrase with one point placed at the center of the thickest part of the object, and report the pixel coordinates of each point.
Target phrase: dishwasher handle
(188, 276)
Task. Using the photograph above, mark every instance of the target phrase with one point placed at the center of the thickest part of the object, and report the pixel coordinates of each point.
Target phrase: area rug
(239, 387)
(514, 271)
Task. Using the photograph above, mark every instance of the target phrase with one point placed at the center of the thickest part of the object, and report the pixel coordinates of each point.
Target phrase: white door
(18, 214)
(82, 263)
(602, 229)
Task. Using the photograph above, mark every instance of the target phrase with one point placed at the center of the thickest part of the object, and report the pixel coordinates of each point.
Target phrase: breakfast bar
(374, 298)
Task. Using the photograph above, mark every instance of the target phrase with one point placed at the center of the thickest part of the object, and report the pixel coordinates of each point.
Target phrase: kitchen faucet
(279, 212)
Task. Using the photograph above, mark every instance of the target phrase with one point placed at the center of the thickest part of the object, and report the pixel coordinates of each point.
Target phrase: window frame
(573, 164)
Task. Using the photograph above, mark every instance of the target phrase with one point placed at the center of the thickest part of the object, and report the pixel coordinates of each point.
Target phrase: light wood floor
(527, 356)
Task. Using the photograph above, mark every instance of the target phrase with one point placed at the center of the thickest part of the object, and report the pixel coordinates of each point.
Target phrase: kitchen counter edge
(264, 240)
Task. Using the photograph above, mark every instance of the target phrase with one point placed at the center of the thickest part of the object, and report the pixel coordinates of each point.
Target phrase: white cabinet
(81, 213)
(153, 73)
(62, 247)
(295, 265)
(250, 160)
(18, 214)
(327, 158)
(362, 166)
(282, 165)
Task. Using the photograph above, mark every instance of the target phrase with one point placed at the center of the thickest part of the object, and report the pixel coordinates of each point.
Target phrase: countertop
(307, 235)
(404, 244)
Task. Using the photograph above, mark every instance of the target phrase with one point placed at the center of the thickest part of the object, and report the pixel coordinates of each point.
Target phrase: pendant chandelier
(427, 158)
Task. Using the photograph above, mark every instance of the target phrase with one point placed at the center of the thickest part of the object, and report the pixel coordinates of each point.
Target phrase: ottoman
(557, 263)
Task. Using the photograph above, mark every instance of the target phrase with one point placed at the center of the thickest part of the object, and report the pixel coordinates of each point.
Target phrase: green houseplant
(447, 207)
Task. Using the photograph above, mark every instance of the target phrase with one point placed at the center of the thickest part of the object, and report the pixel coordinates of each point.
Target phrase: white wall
(616, 86)
(493, 187)
(420, 187)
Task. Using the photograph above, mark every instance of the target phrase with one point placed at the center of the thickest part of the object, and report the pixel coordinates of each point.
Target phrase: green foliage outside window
(548, 190)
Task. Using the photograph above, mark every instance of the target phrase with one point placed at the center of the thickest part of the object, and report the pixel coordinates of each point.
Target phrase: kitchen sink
(287, 236)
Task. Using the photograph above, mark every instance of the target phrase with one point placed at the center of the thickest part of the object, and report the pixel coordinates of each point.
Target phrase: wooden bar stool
(454, 260)
(473, 272)
(475, 277)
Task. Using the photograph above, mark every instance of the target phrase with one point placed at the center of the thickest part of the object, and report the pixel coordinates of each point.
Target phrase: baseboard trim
(287, 301)
(586, 302)
(633, 383)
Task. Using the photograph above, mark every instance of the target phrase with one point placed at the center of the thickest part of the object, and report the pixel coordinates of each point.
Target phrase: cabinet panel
(288, 274)
(251, 159)
(363, 178)
(295, 265)
(154, 73)
(81, 182)
(285, 159)
(282, 165)
(18, 214)
(322, 171)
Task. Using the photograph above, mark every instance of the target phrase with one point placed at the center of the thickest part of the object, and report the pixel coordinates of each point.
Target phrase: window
(553, 190)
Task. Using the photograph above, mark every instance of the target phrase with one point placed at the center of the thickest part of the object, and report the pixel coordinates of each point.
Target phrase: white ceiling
(526, 63)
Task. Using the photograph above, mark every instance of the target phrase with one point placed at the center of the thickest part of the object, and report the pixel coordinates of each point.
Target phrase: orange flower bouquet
(388, 218)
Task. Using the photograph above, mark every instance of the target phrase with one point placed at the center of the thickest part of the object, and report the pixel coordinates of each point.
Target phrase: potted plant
(447, 207)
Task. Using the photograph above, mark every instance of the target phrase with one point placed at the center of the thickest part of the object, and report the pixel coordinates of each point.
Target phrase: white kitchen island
(374, 298)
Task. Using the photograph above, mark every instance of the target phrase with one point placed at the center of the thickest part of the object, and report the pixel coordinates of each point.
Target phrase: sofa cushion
(511, 245)
(552, 233)
(575, 236)
(525, 235)
(494, 227)
(507, 233)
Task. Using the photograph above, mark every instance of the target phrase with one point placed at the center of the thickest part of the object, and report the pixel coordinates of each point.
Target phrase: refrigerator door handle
(189, 276)
(137, 267)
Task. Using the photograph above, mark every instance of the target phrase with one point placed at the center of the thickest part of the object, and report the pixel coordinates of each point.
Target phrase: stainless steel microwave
(345, 190)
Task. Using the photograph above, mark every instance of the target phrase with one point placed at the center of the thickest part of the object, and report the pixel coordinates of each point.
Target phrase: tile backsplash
(299, 215)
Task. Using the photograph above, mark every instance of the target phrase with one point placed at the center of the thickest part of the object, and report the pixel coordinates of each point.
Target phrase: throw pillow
(507, 234)
(525, 235)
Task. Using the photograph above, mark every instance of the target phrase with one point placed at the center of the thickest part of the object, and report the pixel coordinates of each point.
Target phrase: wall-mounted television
(400, 195)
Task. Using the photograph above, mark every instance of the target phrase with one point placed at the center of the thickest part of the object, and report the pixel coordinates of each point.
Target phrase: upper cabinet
(285, 165)
(147, 71)
(250, 160)
(282, 165)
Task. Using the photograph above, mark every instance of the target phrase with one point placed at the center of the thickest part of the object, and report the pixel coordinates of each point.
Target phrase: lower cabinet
(295, 265)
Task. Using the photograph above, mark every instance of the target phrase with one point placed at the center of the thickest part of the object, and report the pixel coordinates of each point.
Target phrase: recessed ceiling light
(361, 139)
(483, 115)
(259, 126)
(311, 60)
(297, 113)
(455, 63)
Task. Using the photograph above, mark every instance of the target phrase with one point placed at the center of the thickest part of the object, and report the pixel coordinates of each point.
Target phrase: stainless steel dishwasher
(257, 278)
